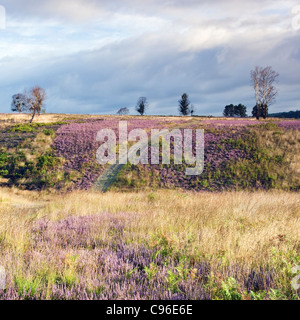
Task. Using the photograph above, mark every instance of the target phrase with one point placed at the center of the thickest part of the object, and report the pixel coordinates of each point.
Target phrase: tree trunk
(33, 114)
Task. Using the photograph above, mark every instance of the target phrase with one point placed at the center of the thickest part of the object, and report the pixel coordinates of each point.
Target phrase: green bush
(229, 290)
(27, 127)
(23, 128)
(47, 160)
(49, 132)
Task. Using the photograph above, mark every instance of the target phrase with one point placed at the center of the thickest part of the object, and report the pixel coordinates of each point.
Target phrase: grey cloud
(160, 65)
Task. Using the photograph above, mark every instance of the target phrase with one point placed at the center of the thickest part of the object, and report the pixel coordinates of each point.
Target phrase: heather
(234, 156)
(61, 155)
(212, 123)
(76, 143)
(160, 245)
(291, 125)
(231, 233)
(239, 155)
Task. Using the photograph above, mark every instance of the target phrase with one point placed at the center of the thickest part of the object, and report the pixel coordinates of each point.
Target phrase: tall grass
(124, 245)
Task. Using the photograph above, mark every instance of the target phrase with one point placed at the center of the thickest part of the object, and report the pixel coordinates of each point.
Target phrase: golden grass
(13, 118)
(239, 226)
(284, 143)
(22, 118)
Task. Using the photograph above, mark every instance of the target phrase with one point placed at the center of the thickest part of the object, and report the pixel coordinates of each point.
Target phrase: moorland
(231, 233)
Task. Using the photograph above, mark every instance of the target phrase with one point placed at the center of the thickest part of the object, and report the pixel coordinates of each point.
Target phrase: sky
(97, 56)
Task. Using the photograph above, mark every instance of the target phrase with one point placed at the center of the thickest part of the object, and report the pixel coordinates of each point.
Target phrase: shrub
(23, 128)
(49, 132)
(229, 290)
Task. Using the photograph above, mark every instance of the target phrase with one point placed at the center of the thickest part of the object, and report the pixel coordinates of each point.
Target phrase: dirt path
(109, 175)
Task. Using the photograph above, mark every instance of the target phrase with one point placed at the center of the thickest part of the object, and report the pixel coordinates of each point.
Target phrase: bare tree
(36, 99)
(265, 92)
(32, 102)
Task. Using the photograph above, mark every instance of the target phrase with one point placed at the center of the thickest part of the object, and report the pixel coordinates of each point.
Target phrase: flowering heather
(87, 258)
(220, 150)
(289, 124)
(238, 123)
(76, 142)
(215, 123)
(227, 142)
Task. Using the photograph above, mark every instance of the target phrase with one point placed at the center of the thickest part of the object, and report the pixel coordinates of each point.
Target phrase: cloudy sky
(96, 56)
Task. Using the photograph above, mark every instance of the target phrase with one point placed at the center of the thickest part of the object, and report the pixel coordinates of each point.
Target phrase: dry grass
(9, 118)
(237, 234)
(240, 226)
(258, 229)
(284, 143)
(22, 118)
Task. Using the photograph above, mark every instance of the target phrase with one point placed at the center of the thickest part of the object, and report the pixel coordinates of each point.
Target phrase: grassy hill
(59, 152)
(231, 233)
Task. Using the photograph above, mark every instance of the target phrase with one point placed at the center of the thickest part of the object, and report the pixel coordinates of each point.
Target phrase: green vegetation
(258, 156)
(271, 154)
(156, 243)
(31, 162)
(40, 172)
(164, 244)
(32, 127)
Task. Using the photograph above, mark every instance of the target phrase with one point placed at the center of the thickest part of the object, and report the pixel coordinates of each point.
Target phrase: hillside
(59, 152)
(231, 233)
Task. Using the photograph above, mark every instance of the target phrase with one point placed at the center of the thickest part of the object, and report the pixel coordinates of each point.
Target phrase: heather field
(231, 233)
(158, 245)
(60, 153)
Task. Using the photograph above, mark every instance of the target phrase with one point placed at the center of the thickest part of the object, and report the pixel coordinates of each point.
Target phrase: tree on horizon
(142, 105)
(184, 103)
(123, 112)
(235, 111)
(265, 92)
(31, 102)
